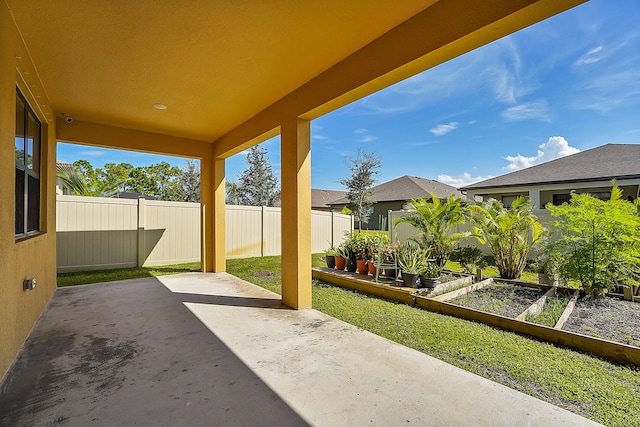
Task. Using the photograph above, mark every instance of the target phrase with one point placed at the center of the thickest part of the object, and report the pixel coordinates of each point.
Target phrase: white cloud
(461, 180)
(365, 135)
(443, 129)
(537, 110)
(555, 147)
(591, 57)
(92, 153)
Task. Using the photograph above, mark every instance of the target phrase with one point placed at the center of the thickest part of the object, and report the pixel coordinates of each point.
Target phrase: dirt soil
(607, 318)
(501, 298)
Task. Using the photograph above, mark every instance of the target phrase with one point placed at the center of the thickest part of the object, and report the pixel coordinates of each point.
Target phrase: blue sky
(565, 85)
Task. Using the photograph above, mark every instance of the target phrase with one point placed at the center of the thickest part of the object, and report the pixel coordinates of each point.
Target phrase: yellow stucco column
(212, 199)
(296, 213)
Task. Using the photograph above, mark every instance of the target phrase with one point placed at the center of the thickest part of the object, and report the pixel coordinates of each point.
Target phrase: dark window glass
(19, 201)
(559, 199)
(27, 140)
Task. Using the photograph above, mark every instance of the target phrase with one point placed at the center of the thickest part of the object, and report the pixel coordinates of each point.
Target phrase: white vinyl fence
(95, 233)
(403, 231)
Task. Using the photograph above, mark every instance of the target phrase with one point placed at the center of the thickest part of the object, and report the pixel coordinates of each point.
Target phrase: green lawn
(600, 390)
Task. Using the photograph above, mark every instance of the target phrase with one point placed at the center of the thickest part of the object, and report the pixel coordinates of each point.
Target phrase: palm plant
(510, 233)
(436, 221)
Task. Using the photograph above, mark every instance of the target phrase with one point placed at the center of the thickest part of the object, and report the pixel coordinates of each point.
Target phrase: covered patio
(211, 349)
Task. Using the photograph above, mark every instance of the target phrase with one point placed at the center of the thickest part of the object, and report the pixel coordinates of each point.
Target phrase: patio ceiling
(214, 64)
(217, 64)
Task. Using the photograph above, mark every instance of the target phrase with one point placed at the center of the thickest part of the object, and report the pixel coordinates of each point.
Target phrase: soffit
(214, 63)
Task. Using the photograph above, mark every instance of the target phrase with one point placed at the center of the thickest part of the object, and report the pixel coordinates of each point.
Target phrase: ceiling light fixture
(159, 106)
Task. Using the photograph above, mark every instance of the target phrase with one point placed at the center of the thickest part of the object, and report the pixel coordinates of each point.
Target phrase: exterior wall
(380, 210)
(33, 257)
(630, 188)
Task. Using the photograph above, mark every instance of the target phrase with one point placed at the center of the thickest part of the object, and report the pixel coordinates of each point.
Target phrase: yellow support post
(296, 213)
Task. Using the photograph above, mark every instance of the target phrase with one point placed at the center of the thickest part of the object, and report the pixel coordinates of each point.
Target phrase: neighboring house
(132, 195)
(394, 195)
(61, 186)
(589, 171)
(321, 199)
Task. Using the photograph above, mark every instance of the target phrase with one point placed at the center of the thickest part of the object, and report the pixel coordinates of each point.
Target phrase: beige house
(589, 171)
(321, 199)
(395, 194)
(204, 80)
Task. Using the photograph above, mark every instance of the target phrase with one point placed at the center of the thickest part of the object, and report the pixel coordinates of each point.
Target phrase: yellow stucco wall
(34, 257)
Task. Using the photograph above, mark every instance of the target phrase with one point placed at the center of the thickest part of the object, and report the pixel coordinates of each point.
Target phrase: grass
(597, 389)
(551, 312)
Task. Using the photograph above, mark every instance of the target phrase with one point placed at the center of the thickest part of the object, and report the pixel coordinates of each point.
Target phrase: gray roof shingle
(407, 188)
(323, 198)
(604, 163)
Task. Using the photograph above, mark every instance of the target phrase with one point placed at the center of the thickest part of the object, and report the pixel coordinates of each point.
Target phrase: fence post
(390, 225)
(262, 237)
(141, 227)
(333, 220)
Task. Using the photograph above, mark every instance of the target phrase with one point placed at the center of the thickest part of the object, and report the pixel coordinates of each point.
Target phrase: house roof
(407, 188)
(323, 198)
(60, 166)
(604, 163)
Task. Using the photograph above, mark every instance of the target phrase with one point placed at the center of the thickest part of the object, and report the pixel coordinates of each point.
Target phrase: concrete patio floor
(210, 349)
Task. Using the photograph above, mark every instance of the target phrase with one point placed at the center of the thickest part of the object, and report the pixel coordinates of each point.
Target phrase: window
(559, 199)
(508, 200)
(28, 131)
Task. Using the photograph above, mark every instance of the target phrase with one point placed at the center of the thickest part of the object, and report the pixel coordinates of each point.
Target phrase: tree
(85, 181)
(114, 177)
(232, 193)
(510, 233)
(190, 181)
(257, 185)
(436, 221)
(160, 180)
(598, 242)
(364, 167)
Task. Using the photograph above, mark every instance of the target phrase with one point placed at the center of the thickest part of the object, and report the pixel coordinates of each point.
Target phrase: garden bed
(500, 298)
(606, 318)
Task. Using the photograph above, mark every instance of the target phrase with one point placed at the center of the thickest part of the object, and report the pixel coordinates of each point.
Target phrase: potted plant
(330, 257)
(430, 273)
(411, 258)
(360, 248)
(341, 257)
(387, 255)
(546, 265)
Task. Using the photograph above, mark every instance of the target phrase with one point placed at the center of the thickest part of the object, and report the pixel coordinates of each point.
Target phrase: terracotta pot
(372, 268)
(361, 265)
(340, 263)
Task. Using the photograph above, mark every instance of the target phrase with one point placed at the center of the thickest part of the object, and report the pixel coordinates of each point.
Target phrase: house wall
(36, 256)
(629, 189)
(380, 211)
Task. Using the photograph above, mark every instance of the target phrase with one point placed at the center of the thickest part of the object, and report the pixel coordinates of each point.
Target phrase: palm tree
(77, 182)
(510, 233)
(436, 221)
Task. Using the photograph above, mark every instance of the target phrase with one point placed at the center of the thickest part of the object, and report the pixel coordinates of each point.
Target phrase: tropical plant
(509, 232)
(470, 258)
(436, 220)
(431, 270)
(598, 242)
(411, 257)
(332, 251)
